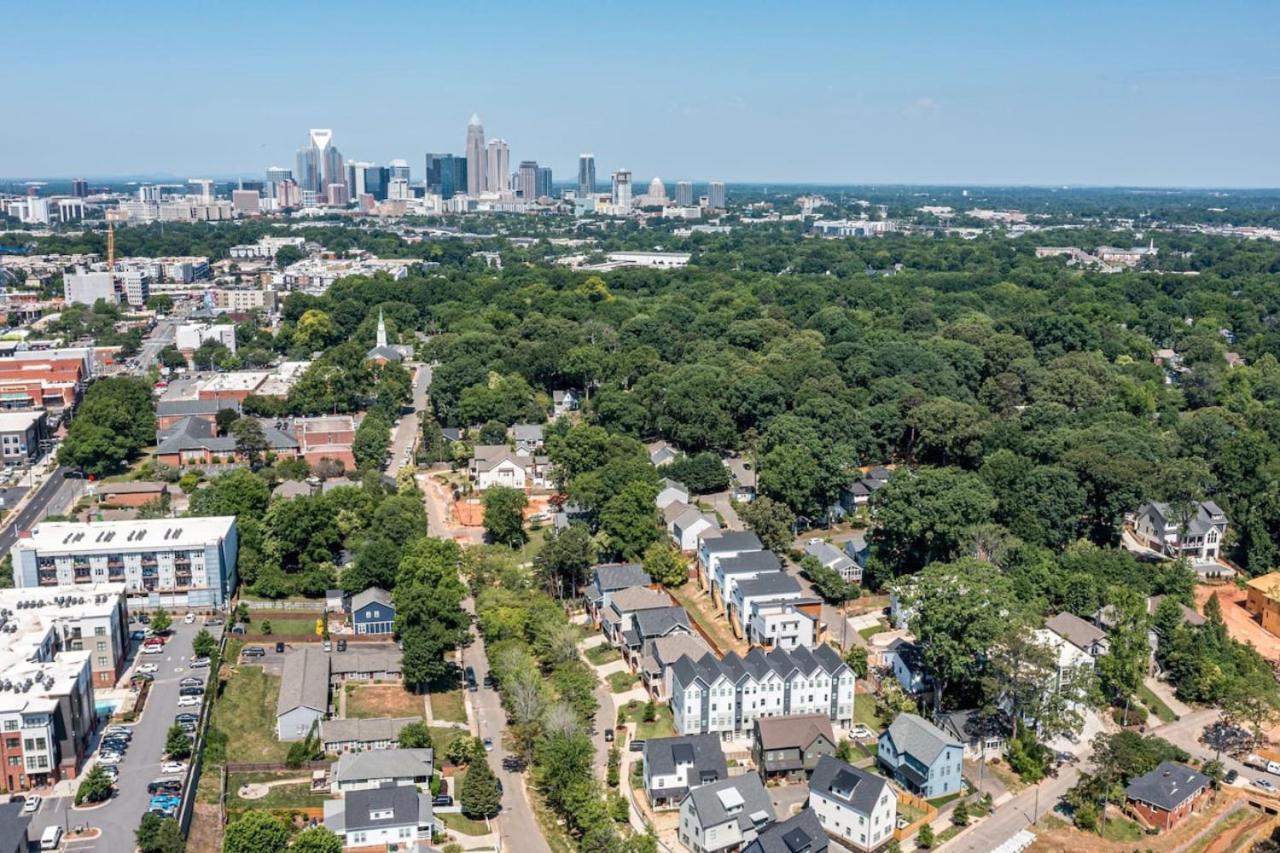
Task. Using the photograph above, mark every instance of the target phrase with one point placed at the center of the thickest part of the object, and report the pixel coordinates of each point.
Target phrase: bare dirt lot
(1239, 623)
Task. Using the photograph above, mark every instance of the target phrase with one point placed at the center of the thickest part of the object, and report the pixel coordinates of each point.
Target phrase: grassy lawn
(870, 631)
(662, 726)
(1156, 705)
(910, 812)
(602, 654)
(946, 835)
(586, 630)
(381, 700)
(285, 622)
(939, 802)
(621, 682)
(246, 712)
(449, 705)
(459, 823)
(864, 711)
(442, 736)
(1122, 830)
(296, 796)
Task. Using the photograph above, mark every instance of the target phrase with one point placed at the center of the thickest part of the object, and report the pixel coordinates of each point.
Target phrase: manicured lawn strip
(246, 712)
(382, 700)
(939, 802)
(864, 711)
(290, 622)
(662, 725)
(460, 823)
(602, 654)
(442, 736)
(1122, 830)
(870, 631)
(450, 706)
(296, 796)
(1156, 705)
(621, 682)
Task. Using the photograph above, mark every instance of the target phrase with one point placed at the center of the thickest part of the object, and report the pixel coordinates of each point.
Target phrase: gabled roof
(662, 755)
(527, 432)
(800, 833)
(664, 651)
(745, 793)
(974, 725)
(1168, 786)
(793, 732)
(660, 622)
(919, 738)
(850, 786)
(384, 764)
(169, 408)
(402, 804)
(732, 540)
(637, 598)
(305, 681)
(828, 555)
(368, 730)
(1075, 630)
(372, 595)
(668, 483)
(613, 576)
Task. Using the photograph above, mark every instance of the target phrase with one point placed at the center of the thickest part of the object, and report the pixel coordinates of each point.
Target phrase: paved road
(405, 433)
(119, 818)
(517, 826)
(161, 336)
(56, 491)
(1016, 814)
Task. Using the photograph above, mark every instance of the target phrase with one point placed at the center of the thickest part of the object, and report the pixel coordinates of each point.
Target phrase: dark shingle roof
(661, 755)
(659, 622)
(800, 833)
(751, 561)
(733, 540)
(709, 801)
(844, 783)
(611, 576)
(797, 730)
(1168, 786)
(169, 408)
(403, 801)
(773, 583)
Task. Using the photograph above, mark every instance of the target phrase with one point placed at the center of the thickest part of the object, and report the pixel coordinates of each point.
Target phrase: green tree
(224, 418)
(926, 517)
(960, 814)
(372, 438)
(429, 615)
(203, 645)
(856, 658)
(255, 832)
(287, 255)
(316, 839)
(1123, 667)
(701, 473)
(828, 583)
(565, 559)
(665, 564)
(113, 423)
(251, 440)
(479, 791)
(157, 834)
(771, 521)
(161, 620)
(415, 736)
(177, 744)
(161, 303)
(94, 787)
(924, 838)
(629, 521)
(504, 515)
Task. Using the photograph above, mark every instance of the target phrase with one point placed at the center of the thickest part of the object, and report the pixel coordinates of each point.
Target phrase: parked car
(254, 652)
(32, 804)
(153, 641)
(173, 767)
(328, 646)
(239, 629)
(1231, 777)
(152, 650)
(342, 645)
(861, 732)
(123, 731)
(488, 744)
(442, 800)
(189, 728)
(636, 746)
(1266, 785)
(114, 744)
(279, 648)
(148, 668)
(165, 786)
(198, 663)
(191, 681)
(189, 618)
(188, 701)
(214, 621)
(110, 758)
(608, 735)
(186, 717)
(113, 773)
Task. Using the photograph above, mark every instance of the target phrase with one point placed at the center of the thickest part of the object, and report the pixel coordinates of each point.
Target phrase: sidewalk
(1165, 693)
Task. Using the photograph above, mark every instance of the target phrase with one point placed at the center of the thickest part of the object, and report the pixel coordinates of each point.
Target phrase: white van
(50, 838)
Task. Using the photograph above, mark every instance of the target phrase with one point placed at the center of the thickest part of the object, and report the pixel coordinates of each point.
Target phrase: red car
(153, 641)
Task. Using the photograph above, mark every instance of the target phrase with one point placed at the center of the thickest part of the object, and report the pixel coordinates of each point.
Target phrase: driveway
(787, 799)
(119, 818)
(723, 505)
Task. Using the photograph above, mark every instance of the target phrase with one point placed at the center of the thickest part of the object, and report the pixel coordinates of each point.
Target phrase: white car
(152, 650)
(860, 732)
(173, 767)
(189, 618)
(150, 668)
(197, 663)
(110, 759)
(31, 805)
(188, 701)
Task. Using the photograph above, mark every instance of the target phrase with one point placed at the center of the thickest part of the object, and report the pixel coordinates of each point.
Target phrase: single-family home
(361, 734)
(335, 601)
(527, 438)
(650, 625)
(674, 765)
(499, 465)
(725, 815)
(1262, 601)
(833, 558)
(784, 623)
(856, 549)
(789, 747)
(356, 771)
(716, 545)
(800, 833)
(1198, 536)
(624, 604)
(564, 402)
(747, 589)
(380, 817)
(984, 735)
(1085, 636)
(1069, 658)
(858, 492)
(608, 578)
(1167, 795)
(742, 477)
(661, 453)
(372, 612)
(727, 695)
(856, 808)
(303, 700)
(661, 653)
(669, 492)
(907, 663)
(921, 757)
(730, 571)
(686, 523)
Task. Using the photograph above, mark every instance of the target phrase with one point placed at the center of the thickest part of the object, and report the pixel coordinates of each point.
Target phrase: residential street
(54, 495)
(517, 826)
(404, 435)
(1015, 815)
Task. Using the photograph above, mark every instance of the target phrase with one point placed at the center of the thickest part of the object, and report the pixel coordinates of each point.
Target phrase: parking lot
(141, 763)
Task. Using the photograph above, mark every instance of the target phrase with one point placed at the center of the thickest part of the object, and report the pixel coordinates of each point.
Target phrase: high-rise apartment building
(446, 175)
(716, 195)
(528, 179)
(544, 181)
(622, 189)
(477, 163)
(684, 193)
(398, 169)
(586, 175)
(498, 166)
(80, 188)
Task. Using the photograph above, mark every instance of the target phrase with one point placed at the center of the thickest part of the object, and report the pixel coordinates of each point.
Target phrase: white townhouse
(728, 695)
(769, 586)
(715, 545)
(731, 571)
(784, 623)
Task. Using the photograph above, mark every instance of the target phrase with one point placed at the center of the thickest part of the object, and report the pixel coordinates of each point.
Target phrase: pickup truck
(1258, 762)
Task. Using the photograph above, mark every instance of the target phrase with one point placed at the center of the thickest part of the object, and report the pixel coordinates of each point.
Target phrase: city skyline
(1168, 95)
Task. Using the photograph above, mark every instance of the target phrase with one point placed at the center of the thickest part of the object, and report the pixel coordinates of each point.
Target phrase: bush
(266, 627)
(1086, 817)
(94, 787)
(177, 744)
(960, 814)
(924, 838)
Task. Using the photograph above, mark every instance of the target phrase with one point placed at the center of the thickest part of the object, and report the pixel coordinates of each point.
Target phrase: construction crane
(111, 246)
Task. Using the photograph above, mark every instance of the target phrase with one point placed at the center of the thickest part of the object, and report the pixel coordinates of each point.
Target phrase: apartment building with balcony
(182, 563)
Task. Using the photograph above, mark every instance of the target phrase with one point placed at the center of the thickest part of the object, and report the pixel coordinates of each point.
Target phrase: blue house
(372, 612)
(921, 757)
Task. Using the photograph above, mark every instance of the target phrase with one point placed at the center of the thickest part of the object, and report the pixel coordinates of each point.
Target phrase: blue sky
(1028, 92)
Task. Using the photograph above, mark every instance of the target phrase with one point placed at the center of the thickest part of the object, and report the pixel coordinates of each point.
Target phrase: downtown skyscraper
(446, 175)
(586, 175)
(319, 163)
(477, 165)
(497, 167)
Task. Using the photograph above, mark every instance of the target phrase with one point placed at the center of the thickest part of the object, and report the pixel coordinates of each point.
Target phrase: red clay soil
(1240, 625)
